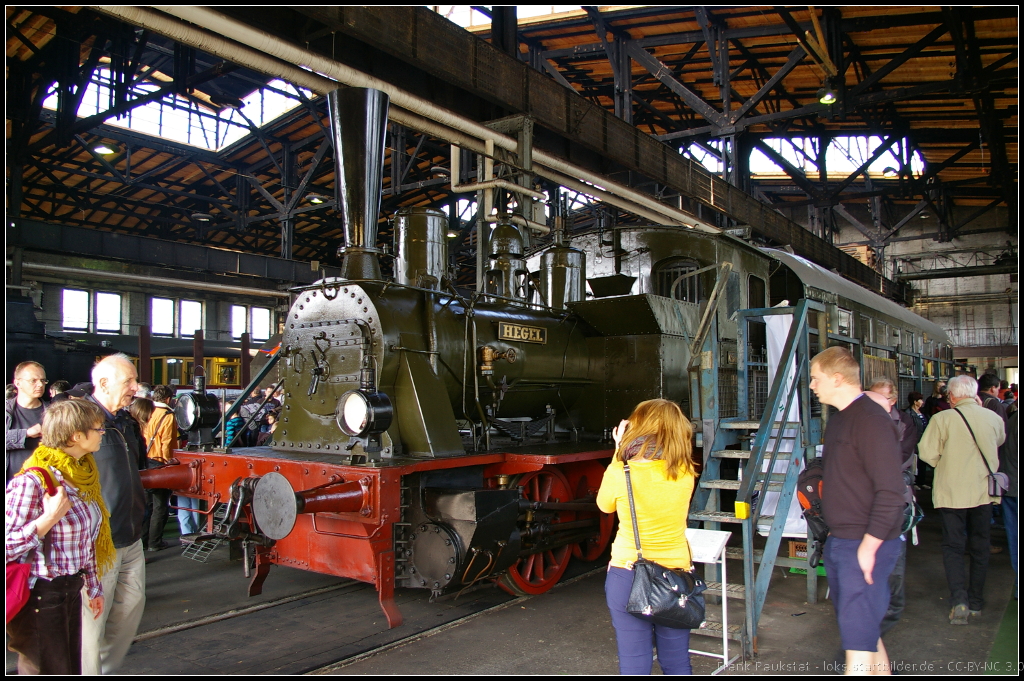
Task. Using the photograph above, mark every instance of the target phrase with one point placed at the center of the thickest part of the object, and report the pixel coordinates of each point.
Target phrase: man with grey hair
(962, 444)
(106, 639)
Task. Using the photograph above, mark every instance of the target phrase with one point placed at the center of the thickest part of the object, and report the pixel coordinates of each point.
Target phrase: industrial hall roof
(938, 84)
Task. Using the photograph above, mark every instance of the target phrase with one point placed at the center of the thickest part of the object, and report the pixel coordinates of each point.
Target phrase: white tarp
(778, 331)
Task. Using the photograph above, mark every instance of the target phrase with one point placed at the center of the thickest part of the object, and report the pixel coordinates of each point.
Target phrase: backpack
(808, 492)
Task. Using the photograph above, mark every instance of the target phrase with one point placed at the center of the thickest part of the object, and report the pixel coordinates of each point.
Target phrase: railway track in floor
(314, 630)
(310, 630)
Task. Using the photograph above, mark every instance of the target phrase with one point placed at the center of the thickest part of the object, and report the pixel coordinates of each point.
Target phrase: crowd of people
(963, 434)
(77, 513)
(85, 543)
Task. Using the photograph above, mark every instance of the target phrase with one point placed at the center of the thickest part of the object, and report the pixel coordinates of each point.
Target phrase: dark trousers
(47, 633)
(966, 530)
(636, 639)
(860, 607)
(158, 503)
(1010, 522)
(897, 589)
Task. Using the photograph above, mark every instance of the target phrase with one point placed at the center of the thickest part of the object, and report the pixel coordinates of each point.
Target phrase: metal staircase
(754, 442)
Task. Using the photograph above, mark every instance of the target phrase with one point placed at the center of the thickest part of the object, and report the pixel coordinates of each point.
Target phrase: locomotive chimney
(359, 118)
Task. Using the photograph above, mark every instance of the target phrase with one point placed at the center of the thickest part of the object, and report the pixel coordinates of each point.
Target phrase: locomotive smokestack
(359, 118)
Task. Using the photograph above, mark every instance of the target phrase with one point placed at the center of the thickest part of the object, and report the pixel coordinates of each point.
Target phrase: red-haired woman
(656, 440)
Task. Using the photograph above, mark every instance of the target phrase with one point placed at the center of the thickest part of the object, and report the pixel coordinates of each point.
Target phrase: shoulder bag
(18, 572)
(668, 597)
(153, 463)
(997, 482)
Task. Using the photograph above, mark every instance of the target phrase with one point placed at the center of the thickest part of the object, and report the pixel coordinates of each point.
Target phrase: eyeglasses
(101, 431)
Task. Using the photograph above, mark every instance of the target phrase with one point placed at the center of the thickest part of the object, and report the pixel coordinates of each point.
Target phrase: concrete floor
(566, 631)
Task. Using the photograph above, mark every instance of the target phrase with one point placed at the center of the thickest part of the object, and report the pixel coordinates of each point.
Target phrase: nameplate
(522, 334)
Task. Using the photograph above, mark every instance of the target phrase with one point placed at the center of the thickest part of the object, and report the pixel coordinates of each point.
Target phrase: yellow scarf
(85, 476)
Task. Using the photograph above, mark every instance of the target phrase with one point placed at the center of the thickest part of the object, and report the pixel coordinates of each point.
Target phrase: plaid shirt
(71, 539)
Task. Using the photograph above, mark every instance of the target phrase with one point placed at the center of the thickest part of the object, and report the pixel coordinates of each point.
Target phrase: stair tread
(731, 453)
(725, 517)
(780, 561)
(735, 485)
(754, 425)
(734, 590)
(715, 629)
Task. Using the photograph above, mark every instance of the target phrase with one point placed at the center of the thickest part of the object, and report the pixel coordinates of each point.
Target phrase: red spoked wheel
(591, 549)
(585, 478)
(538, 572)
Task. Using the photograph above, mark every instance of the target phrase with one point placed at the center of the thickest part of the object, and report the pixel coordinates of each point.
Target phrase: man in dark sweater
(24, 415)
(862, 500)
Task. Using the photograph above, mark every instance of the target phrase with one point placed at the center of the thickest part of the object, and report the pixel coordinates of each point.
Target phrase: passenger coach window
(688, 290)
(756, 290)
(845, 322)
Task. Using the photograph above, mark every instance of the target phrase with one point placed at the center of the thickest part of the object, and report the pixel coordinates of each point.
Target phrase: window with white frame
(255, 320)
(162, 317)
(260, 323)
(75, 309)
(239, 317)
(108, 312)
(190, 318)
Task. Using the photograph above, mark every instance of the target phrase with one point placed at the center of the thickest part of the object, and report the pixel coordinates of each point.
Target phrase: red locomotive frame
(357, 541)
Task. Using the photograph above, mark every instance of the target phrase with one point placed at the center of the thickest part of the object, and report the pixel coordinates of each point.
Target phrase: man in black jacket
(105, 640)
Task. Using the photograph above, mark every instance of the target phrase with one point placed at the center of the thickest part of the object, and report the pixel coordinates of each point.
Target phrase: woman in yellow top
(657, 442)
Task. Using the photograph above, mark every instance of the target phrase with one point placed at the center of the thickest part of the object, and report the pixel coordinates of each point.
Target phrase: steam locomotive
(434, 439)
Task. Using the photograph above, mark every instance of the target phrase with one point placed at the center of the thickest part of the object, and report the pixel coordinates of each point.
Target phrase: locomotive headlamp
(196, 410)
(363, 412)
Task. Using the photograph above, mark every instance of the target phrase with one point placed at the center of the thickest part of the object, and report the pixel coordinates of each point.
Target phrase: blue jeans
(1010, 521)
(187, 520)
(636, 639)
(860, 607)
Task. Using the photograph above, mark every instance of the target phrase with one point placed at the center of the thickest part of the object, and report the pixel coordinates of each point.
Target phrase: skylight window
(470, 17)
(843, 156)
(189, 120)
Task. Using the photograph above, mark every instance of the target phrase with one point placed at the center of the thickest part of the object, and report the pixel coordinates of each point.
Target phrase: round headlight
(186, 412)
(361, 412)
(353, 413)
(197, 410)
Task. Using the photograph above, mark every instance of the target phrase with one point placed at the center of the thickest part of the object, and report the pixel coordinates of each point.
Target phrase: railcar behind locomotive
(430, 439)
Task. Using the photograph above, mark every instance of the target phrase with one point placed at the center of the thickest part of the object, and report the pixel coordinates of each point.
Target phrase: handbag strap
(156, 431)
(971, 431)
(51, 488)
(632, 510)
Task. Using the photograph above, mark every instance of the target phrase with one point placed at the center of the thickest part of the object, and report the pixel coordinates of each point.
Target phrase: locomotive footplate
(436, 524)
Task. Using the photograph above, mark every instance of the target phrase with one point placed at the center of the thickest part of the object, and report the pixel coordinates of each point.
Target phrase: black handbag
(665, 596)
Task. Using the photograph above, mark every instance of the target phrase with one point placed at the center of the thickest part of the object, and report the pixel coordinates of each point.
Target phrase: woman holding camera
(656, 440)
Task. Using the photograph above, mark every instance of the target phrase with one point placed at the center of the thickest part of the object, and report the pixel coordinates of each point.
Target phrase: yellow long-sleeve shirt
(661, 509)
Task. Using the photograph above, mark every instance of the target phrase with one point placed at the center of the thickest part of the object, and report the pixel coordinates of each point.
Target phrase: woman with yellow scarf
(65, 537)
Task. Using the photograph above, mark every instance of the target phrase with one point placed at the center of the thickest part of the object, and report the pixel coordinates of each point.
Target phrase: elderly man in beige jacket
(960, 492)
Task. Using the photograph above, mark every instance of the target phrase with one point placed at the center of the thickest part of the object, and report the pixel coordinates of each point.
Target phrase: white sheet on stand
(796, 526)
